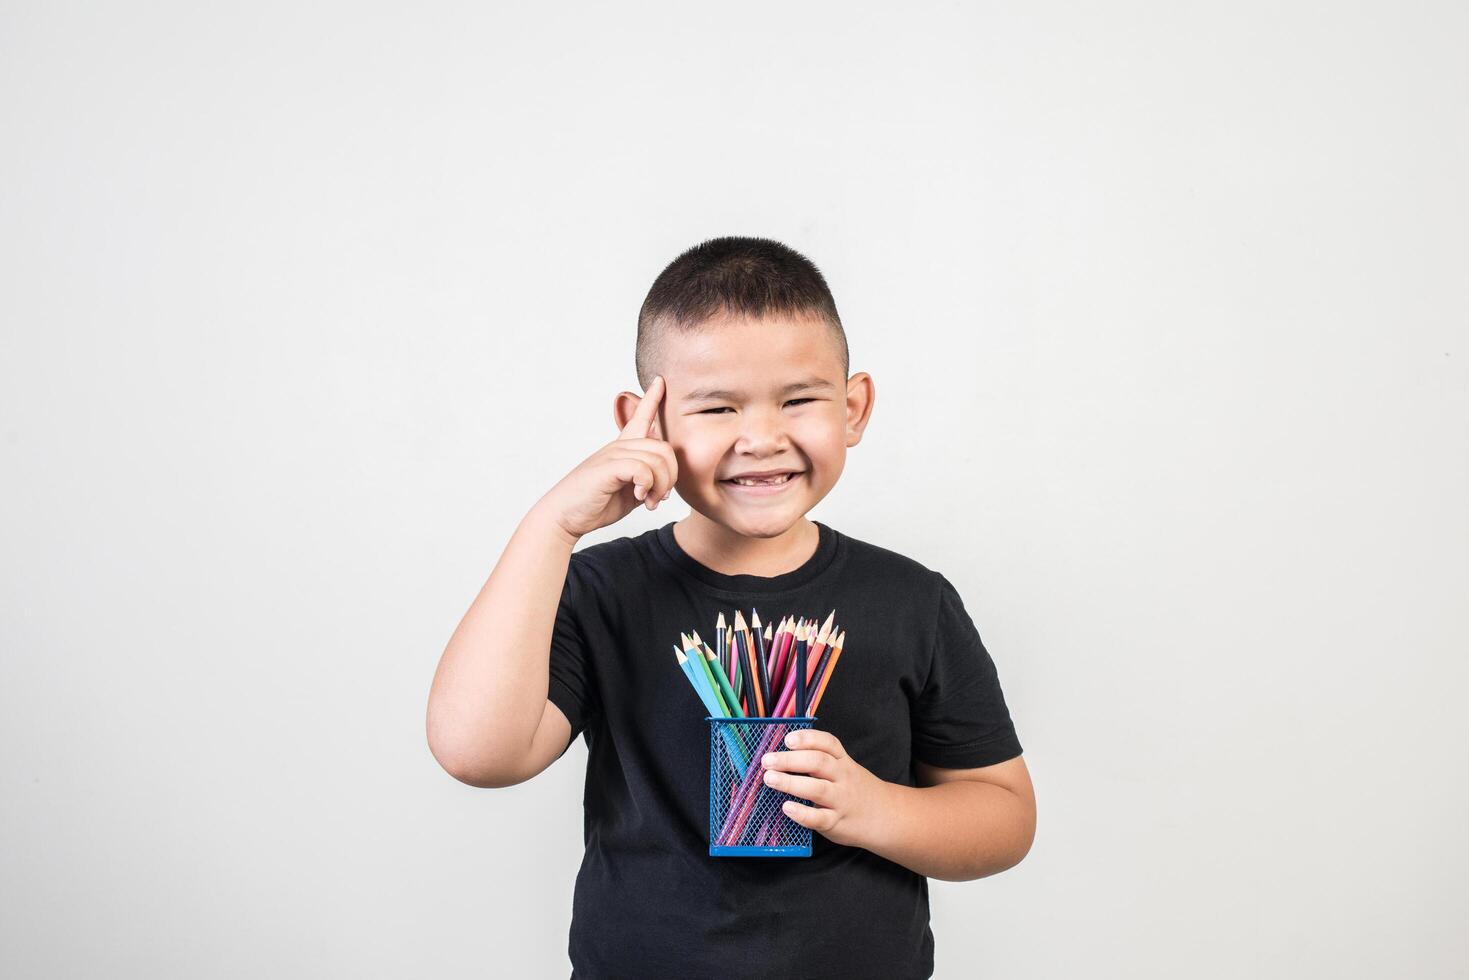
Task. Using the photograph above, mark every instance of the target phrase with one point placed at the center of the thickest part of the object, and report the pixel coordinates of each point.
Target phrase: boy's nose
(762, 431)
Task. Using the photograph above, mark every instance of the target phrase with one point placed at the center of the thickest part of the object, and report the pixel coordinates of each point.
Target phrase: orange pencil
(823, 638)
(836, 654)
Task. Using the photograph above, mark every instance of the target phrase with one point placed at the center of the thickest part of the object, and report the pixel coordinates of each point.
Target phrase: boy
(912, 767)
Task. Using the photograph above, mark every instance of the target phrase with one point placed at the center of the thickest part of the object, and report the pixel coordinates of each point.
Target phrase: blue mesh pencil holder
(745, 818)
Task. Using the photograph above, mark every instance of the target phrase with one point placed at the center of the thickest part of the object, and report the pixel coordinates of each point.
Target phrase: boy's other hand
(848, 798)
(636, 467)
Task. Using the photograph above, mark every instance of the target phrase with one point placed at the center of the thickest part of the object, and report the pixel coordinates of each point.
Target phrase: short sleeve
(571, 684)
(959, 719)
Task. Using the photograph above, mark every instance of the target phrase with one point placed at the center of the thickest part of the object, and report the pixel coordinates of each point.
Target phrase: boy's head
(745, 334)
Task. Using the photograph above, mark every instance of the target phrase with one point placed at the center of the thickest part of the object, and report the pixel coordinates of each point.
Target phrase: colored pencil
(801, 679)
(777, 668)
(689, 670)
(815, 648)
(697, 655)
(720, 639)
(737, 652)
(761, 680)
(748, 645)
(785, 705)
(783, 666)
(731, 703)
(818, 656)
(767, 647)
(836, 655)
(747, 658)
(818, 674)
(706, 695)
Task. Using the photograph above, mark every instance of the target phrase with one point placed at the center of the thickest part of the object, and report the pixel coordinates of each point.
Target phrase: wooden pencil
(836, 655)
(761, 677)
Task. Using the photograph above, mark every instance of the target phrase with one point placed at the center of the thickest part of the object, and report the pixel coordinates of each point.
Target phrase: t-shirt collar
(826, 551)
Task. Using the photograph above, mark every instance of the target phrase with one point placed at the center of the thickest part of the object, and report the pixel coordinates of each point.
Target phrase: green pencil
(731, 702)
(697, 655)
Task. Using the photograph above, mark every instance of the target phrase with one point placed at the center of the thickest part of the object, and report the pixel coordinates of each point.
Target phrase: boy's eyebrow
(711, 394)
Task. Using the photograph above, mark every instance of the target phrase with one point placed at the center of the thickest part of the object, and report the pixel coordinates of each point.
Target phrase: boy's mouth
(762, 481)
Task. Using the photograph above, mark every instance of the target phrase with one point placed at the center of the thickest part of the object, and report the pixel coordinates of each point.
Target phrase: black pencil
(764, 679)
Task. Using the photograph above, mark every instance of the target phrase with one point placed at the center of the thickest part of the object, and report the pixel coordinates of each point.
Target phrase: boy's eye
(715, 411)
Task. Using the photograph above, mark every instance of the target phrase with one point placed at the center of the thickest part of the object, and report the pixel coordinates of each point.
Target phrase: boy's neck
(728, 552)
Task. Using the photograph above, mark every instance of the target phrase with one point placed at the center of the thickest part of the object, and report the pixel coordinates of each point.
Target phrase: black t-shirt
(913, 682)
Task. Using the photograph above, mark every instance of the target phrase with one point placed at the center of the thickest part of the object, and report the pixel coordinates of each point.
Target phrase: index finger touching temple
(641, 425)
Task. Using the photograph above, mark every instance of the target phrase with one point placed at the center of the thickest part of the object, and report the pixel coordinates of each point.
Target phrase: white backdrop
(303, 309)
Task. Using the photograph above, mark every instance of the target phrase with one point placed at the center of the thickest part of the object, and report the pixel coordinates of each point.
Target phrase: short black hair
(752, 277)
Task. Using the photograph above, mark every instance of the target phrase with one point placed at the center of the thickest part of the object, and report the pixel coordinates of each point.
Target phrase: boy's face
(752, 397)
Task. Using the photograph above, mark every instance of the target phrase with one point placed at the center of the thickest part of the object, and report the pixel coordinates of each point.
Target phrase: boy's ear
(861, 396)
(623, 407)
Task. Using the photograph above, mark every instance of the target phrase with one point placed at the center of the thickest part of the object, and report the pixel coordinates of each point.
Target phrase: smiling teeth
(762, 483)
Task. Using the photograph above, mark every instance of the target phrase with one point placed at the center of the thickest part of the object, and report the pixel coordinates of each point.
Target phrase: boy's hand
(636, 467)
(848, 798)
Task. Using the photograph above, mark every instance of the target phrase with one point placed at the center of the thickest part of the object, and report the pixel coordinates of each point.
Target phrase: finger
(809, 761)
(655, 425)
(661, 449)
(631, 469)
(663, 470)
(806, 787)
(652, 449)
(669, 456)
(808, 816)
(641, 423)
(815, 738)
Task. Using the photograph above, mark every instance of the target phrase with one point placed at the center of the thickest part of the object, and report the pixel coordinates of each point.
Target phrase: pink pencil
(778, 654)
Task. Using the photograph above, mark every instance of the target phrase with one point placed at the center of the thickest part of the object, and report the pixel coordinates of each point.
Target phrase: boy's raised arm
(489, 720)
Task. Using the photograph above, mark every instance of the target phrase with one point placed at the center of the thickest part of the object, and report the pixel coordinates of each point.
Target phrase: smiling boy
(913, 768)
